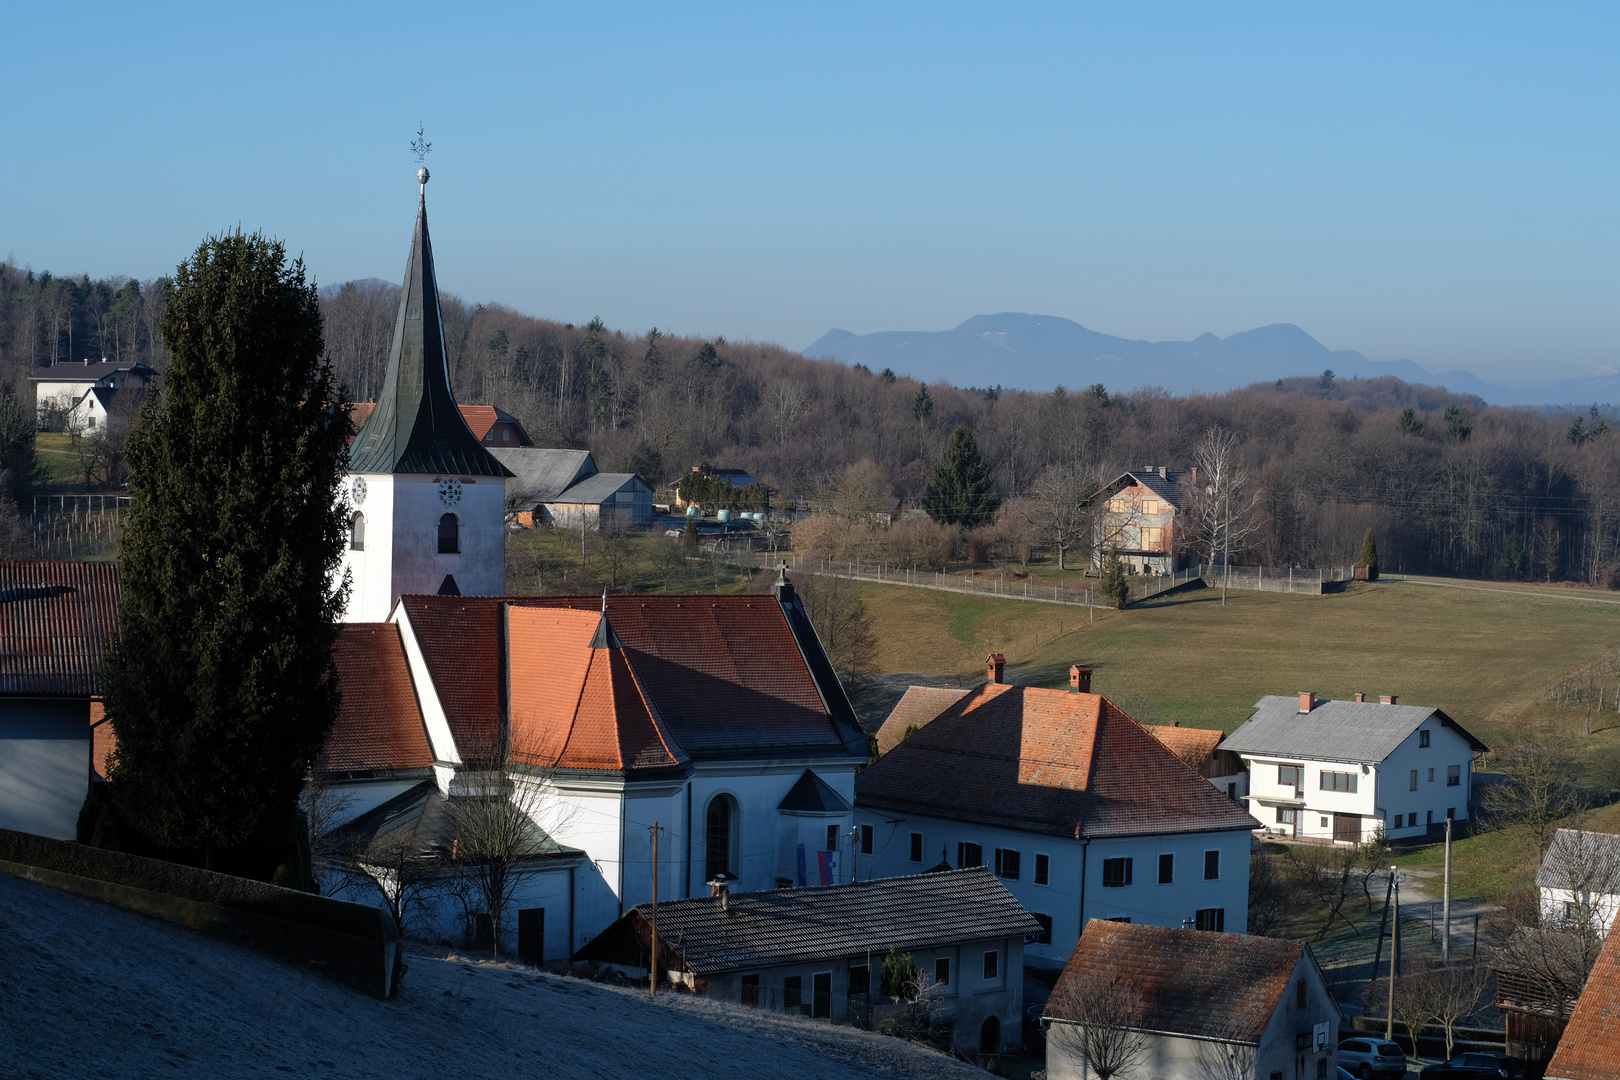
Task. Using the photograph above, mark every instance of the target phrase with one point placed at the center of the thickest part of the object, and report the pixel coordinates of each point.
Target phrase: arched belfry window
(357, 531)
(719, 837)
(449, 535)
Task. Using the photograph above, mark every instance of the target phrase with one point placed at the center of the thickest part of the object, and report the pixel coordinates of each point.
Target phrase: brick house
(1138, 520)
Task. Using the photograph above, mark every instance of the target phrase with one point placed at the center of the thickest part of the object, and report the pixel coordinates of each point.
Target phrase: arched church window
(449, 535)
(719, 834)
(357, 531)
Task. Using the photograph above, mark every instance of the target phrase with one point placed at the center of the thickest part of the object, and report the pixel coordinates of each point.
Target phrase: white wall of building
(1142, 901)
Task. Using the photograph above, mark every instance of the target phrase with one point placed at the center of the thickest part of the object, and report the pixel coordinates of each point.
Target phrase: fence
(1283, 579)
(77, 526)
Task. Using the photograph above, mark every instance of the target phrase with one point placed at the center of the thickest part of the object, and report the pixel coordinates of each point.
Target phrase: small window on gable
(506, 435)
(1423, 737)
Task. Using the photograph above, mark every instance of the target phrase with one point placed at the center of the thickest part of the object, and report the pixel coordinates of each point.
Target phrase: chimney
(1307, 701)
(1164, 471)
(1387, 699)
(997, 664)
(1361, 697)
(720, 886)
(1080, 679)
(1195, 476)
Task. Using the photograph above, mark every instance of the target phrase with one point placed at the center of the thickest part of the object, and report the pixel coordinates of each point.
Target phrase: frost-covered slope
(88, 990)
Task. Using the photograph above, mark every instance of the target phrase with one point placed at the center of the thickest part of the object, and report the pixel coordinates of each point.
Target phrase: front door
(532, 935)
(821, 1000)
(1347, 827)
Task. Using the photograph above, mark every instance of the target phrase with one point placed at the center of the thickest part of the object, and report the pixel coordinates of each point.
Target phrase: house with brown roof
(55, 619)
(1189, 1005)
(1589, 1049)
(718, 718)
(1201, 749)
(1078, 809)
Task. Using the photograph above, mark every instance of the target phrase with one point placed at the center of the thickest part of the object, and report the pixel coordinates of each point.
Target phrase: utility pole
(1445, 917)
(652, 961)
(1394, 947)
(855, 853)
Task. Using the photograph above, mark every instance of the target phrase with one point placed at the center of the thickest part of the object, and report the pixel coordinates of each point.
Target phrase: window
(720, 822)
(866, 839)
(1428, 817)
(1045, 936)
(916, 847)
(449, 535)
(1007, 863)
(832, 838)
(1167, 869)
(1150, 506)
(1451, 813)
(1423, 739)
(1323, 822)
(942, 971)
(750, 991)
(1453, 775)
(1211, 918)
(1321, 1068)
(1289, 775)
(1116, 873)
(969, 855)
(1043, 869)
(506, 435)
(1412, 781)
(1212, 865)
(1152, 538)
(1299, 994)
(992, 966)
(1431, 776)
(1397, 821)
(1287, 815)
(1338, 781)
(1118, 506)
(860, 979)
(793, 993)
(357, 532)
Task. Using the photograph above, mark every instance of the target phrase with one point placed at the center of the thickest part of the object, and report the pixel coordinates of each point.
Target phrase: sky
(1430, 181)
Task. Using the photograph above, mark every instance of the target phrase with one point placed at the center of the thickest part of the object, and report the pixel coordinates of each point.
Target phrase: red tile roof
(1045, 761)
(480, 418)
(1590, 1047)
(721, 675)
(1192, 745)
(380, 726)
(915, 709)
(55, 618)
(1192, 982)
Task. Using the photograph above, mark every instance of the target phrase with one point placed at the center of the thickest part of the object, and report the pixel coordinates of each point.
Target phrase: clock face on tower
(358, 490)
(450, 491)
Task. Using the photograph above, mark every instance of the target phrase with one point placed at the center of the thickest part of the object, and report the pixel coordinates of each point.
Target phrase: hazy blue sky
(1435, 181)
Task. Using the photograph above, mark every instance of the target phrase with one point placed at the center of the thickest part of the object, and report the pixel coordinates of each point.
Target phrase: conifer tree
(961, 490)
(1116, 587)
(1369, 555)
(222, 688)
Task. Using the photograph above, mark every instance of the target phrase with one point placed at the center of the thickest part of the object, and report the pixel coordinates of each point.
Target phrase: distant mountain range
(1039, 352)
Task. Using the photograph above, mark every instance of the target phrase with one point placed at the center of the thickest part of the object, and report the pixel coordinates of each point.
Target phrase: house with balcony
(1340, 770)
(1138, 519)
(1078, 809)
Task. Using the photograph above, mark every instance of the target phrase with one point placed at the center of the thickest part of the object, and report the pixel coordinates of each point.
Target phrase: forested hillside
(1449, 485)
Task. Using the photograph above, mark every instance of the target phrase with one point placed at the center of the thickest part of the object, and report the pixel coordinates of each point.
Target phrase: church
(717, 718)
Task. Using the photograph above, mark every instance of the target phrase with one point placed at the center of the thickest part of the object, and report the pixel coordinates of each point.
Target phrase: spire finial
(421, 148)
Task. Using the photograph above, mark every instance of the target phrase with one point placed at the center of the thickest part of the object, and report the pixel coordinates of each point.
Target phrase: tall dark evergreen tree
(1369, 555)
(223, 687)
(962, 489)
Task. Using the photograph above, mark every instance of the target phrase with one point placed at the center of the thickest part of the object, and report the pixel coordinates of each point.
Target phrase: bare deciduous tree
(1110, 1016)
(1222, 507)
(1540, 786)
(1061, 505)
(1455, 995)
(1327, 873)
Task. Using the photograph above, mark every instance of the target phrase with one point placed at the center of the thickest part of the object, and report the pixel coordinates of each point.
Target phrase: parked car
(1341, 1073)
(1369, 1057)
(1476, 1065)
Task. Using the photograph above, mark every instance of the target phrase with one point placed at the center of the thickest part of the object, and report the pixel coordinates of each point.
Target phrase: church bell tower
(427, 502)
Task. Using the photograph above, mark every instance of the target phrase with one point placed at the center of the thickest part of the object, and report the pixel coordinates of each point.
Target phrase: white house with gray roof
(1579, 880)
(1338, 770)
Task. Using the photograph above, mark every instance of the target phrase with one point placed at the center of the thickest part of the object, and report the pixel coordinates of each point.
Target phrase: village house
(819, 952)
(1202, 1005)
(718, 717)
(1342, 770)
(1579, 880)
(55, 618)
(565, 489)
(1079, 810)
(63, 387)
(1138, 520)
(1589, 1048)
(1201, 749)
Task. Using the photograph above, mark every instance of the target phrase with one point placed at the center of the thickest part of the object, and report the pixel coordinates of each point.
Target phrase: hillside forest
(1448, 484)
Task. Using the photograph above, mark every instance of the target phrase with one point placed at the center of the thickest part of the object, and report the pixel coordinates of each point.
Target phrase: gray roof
(599, 488)
(428, 819)
(416, 426)
(71, 372)
(1359, 731)
(1577, 859)
(540, 475)
(813, 795)
(789, 926)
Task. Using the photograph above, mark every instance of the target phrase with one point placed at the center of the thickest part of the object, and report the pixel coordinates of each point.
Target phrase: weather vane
(421, 148)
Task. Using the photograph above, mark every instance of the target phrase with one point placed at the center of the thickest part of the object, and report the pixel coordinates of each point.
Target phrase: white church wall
(480, 566)
(371, 569)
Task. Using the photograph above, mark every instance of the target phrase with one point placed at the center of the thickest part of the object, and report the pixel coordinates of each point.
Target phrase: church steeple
(415, 426)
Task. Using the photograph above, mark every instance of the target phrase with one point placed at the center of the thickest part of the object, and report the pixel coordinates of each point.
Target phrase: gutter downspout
(689, 831)
(621, 851)
(1085, 849)
(573, 896)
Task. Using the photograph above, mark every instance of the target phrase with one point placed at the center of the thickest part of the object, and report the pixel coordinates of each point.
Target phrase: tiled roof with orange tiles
(55, 620)
(916, 707)
(1045, 761)
(1192, 982)
(480, 418)
(1590, 1047)
(1192, 745)
(379, 727)
(722, 675)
